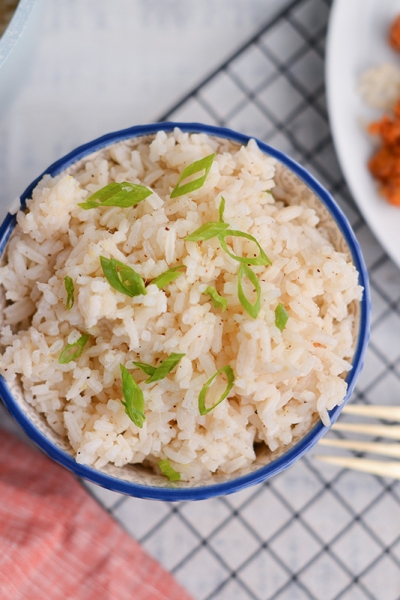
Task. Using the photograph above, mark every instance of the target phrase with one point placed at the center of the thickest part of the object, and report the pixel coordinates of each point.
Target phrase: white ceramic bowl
(15, 45)
(136, 480)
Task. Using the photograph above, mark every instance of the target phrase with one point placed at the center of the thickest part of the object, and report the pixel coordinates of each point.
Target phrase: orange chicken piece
(394, 34)
(384, 165)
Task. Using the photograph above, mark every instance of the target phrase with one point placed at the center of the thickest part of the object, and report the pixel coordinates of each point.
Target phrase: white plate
(356, 42)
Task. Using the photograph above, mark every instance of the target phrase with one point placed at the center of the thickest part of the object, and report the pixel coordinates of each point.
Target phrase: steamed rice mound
(283, 380)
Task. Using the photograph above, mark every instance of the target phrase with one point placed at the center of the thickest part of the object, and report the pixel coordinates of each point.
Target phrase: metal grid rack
(313, 532)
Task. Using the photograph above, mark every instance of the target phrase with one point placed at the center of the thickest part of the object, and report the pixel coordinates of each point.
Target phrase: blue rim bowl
(176, 493)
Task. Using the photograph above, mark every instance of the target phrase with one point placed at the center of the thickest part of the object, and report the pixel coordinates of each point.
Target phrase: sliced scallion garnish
(262, 259)
(168, 276)
(122, 278)
(133, 398)
(203, 164)
(123, 194)
(73, 351)
(206, 232)
(217, 300)
(146, 368)
(221, 210)
(160, 372)
(251, 309)
(169, 471)
(202, 396)
(69, 286)
(281, 317)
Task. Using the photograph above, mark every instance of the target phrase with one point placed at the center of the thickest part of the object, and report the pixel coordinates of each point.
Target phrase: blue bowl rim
(15, 28)
(174, 492)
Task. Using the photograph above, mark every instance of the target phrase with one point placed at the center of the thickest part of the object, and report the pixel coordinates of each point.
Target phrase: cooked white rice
(282, 379)
(380, 86)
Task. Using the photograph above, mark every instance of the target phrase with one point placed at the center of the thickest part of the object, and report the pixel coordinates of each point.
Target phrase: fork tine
(389, 431)
(391, 413)
(375, 467)
(374, 448)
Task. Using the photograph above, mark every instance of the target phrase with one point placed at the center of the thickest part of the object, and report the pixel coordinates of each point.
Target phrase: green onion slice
(168, 276)
(160, 372)
(169, 471)
(217, 300)
(248, 260)
(123, 194)
(69, 286)
(73, 351)
(221, 210)
(207, 231)
(203, 164)
(133, 396)
(281, 317)
(202, 396)
(251, 309)
(122, 278)
(146, 368)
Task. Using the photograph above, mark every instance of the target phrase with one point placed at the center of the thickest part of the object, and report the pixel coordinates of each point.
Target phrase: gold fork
(376, 467)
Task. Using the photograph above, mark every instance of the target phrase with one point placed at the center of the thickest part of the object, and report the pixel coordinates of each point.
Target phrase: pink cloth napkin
(57, 543)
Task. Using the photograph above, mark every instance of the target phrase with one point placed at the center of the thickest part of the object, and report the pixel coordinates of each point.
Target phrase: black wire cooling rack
(314, 532)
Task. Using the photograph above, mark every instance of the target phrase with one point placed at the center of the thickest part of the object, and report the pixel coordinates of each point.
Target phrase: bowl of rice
(185, 311)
